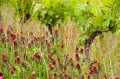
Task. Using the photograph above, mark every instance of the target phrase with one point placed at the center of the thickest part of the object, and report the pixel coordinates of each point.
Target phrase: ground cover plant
(59, 39)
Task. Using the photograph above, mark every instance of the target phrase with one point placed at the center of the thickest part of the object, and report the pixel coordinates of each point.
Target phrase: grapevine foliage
(92, 16)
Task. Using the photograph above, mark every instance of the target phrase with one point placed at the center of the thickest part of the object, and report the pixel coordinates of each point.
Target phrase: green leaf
(97, 20)
(95, 10)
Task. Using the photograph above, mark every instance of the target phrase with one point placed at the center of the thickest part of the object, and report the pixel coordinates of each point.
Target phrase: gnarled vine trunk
(89, 41)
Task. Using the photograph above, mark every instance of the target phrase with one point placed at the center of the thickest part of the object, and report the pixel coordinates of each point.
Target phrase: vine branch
(89, 40)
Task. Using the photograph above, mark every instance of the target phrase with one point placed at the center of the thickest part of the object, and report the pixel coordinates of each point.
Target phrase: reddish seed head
(21, 32)
(92, 69)
(1, 30)
(31, 33)
(60, 75)
(18, 59)
(25, 56)
(11, 71)
(78, 65)
(32, 58)
(98, 62)
(3, 36)
(29, 44)
(35, 38)
(32, 41)
(48, 44)
(48, 77)
(38, 37)
(56, 30)
(62, 45)
(15, 53)
(51, 66)
(55, 74)
(1, 73)
(42, 43)
(13, 36)
(65, 67)
(4, 60)
(3, 56)
(5, 45)
(42, 37)
(14, 68)
(7, 38)
(27, 31)
(37, 55)
(82, 76)
(72, 64)
(81, 50)
(15, 43)
(8, 31)
(46, 40)
(65, 75)
(71, 59)
(53, 61)
(46, 31)
(77, 56)
(33, 74)
(1, 77)
(76, 47)
(116, 77)
(88, 76)
(105, 77)
(22, 37)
